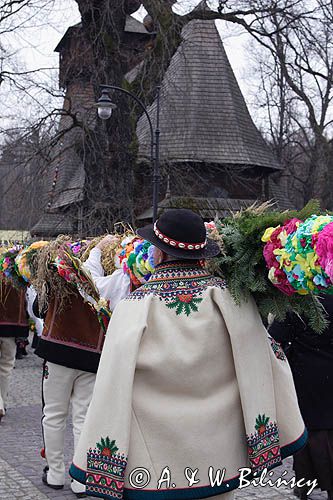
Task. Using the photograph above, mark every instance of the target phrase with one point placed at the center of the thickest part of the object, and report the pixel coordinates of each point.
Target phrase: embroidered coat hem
(190, 492)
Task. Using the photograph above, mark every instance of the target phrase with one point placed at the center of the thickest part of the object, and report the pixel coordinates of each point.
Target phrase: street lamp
(105, 107)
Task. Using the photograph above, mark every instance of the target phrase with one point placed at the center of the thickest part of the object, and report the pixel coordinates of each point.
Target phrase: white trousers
(7, 363)
(62, 386)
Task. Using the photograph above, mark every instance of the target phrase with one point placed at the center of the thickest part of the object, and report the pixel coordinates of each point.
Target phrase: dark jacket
(13, 312)
(311, 359)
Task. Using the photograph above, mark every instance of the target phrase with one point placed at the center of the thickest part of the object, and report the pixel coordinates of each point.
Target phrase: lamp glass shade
(104, 112)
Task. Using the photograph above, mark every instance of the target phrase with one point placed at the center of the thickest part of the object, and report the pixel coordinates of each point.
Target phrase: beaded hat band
(178, 244)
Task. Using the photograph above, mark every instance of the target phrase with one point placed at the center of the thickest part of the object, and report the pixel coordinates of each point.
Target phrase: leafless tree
(297, 91)
(22, 162)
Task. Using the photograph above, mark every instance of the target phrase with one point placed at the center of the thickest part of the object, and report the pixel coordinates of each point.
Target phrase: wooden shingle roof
(208, 208)
(204, 117)
(52, 224)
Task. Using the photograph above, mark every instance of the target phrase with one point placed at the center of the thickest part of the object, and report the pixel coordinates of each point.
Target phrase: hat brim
(211, 249)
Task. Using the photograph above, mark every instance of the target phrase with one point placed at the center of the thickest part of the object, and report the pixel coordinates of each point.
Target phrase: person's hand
(109, 240)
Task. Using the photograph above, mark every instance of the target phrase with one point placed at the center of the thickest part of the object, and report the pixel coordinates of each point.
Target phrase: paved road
(20, 442)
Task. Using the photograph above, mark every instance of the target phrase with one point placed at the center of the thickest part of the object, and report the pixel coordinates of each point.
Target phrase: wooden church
(213, 158)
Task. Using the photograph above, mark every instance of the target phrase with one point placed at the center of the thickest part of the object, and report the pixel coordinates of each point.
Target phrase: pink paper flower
(324, 249)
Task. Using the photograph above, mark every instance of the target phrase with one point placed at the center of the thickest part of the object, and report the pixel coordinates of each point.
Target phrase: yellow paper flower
(268, 233)
(306, 263)
(321, 219)
(294, 241)
(283, 237)
(284, 258)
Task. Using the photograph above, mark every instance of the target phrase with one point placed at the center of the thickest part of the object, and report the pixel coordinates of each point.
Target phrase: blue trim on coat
(77, 474)
(190, 493)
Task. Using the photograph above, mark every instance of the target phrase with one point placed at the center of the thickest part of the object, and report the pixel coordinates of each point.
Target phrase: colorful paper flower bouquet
(283, 259)
(8, 268)
(299, 255)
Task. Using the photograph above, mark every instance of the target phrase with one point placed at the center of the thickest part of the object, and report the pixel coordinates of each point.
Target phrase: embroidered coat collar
(177, 269)
(180, 285)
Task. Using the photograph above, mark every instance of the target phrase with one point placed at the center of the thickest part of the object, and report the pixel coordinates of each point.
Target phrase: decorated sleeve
(113, 288)
(93, 263)
(101, 456)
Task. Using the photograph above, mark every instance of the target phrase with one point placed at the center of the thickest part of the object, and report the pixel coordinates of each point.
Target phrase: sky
(33, 47)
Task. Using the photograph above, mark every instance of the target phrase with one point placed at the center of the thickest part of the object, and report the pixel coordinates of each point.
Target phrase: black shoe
(53, 486)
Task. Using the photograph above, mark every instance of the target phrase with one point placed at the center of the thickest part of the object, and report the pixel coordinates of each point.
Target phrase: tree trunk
(320, 179)
(109, 157)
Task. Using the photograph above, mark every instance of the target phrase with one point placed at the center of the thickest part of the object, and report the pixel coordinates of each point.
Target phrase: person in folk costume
(13, 324)
(71, 344)
(187, 378)
(111, 287)
(311, 359)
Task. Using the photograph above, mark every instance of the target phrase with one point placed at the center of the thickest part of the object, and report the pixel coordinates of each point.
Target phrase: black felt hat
(182, 234)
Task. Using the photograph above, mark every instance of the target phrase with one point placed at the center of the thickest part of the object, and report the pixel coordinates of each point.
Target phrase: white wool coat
(187, 379)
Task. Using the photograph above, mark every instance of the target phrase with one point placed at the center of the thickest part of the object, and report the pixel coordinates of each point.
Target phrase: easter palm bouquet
(283, 259)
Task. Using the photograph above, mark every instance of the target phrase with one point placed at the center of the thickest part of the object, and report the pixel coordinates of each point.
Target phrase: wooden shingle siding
(278, 192)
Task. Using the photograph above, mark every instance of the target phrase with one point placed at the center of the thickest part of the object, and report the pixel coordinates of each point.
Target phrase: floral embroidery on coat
(277, 349)
(105, 470)
(180, 285)
(264, 444)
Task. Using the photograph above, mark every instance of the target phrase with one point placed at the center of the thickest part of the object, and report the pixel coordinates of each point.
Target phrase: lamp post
(105, 107)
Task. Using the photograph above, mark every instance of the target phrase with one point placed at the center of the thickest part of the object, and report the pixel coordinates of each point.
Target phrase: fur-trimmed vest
(13, 313)
(72, 336)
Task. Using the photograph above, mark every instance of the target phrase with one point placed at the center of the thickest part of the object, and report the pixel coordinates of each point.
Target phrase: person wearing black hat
(188, 384)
